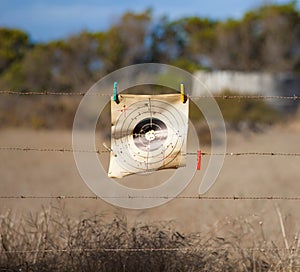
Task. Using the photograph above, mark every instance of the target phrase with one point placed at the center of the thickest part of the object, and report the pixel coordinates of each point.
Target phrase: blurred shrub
(240, 114)
(37, 122)
(249, 113)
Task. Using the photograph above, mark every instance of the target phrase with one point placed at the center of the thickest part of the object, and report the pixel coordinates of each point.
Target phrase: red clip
(199, 159)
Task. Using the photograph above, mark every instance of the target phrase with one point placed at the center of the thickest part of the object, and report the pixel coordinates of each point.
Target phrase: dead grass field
(41, 173)
(222, 230)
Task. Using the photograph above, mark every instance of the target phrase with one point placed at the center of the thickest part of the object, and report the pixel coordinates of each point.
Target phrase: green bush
(241, 113)
(253, 112)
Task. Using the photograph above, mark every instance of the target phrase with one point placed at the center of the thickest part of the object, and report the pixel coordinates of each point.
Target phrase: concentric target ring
(150, 134)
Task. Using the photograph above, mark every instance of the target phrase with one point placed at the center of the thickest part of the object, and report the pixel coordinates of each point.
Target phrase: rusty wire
(58, 93)
(193, 197)
(150, 249)
(70, 150)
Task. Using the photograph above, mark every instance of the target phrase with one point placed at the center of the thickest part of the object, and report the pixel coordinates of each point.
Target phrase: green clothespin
(115, 97)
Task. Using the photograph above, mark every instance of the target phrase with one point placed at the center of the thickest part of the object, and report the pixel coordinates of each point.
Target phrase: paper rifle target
(148, 133)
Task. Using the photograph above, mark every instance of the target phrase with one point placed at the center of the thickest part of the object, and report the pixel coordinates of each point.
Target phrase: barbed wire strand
(182, 249)
(194, 197)
(70, 150)
(60, 150)
(57, 93)
(164, 197)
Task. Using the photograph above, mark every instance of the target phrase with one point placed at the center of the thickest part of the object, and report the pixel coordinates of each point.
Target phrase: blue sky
(46, 20)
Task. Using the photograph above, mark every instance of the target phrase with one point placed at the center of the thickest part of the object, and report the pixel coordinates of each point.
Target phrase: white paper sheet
(148, 133)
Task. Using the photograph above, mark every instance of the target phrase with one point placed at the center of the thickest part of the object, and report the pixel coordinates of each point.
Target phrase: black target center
(150, 134)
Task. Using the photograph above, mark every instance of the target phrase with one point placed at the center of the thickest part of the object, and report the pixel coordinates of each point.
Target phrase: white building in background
(252, 83)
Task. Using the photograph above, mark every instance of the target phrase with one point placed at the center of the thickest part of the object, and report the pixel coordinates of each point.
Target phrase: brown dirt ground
(52, 173)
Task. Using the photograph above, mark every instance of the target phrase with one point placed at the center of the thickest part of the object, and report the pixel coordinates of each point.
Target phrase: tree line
(266, 38)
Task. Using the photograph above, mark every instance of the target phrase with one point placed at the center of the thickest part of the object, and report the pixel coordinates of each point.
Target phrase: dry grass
(58, 239)
(51, 241)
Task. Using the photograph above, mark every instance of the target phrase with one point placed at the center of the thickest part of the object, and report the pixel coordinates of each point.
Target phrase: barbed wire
(59, 150)
(196, 197)
(150, 249)
(70, 150)
(57, 93)
(257, 97)
(193, 197)
(247, 154)
(53, 92)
